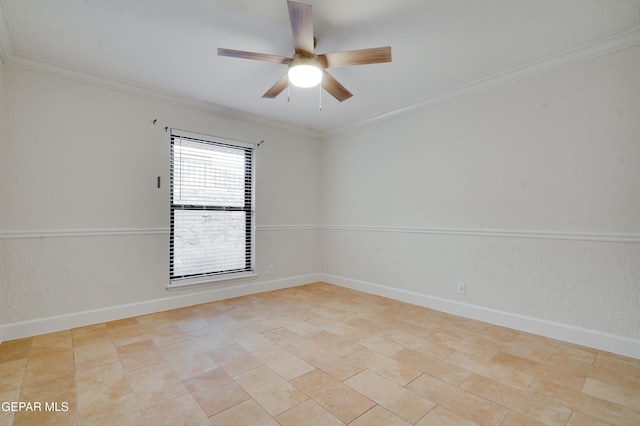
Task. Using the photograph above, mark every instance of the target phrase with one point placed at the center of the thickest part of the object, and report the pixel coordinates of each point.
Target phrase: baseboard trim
(568, 333)
(79, 319)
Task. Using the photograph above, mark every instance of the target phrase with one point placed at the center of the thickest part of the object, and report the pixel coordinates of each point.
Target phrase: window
(212, 209)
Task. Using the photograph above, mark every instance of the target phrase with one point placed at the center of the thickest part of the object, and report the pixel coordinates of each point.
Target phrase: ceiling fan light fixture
(305, 72)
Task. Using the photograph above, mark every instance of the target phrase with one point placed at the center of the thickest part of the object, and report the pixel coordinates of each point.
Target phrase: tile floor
(311, 355)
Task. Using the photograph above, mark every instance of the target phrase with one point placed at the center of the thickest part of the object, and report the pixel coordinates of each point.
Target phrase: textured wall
(84, 226)
(588, 284)
(543, 164)
(4, 318)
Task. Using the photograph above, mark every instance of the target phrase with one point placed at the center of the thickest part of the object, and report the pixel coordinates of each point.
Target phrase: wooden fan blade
(374, 55)
(334, 88)
(301, 27)
(255, 56)
(277, 88)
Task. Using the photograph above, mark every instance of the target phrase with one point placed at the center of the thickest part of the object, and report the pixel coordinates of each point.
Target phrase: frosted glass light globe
(305, 75)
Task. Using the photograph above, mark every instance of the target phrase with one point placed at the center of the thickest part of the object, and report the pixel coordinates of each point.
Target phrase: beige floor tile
(13, 350)
(393, 326)
(247, 413)
(543, 410)
(579, 419)
(123, 411)
(501, 373)
(440, 416)
(54, 388)
(616, 378)
(594, 407)
(271, 391)
(283, 362)
(167, 335)
(466, 342)
(530, 347)
(89, 335)
(554, 374)
(608, 392)
(432, 366)
(314, 354)
(298, 326)
(139, 354)
(308, 413)
(459, 401)
(94, 355)
(192, 324)
(156, 320)
(379, 416)
(215, 391)
(391, 396)
(48, 370)
(45, 344)
(183, 410)
(124, 335)
(373, 325)
(333, 325)
(408, 340)
(624, 365)
(261, 324)
(386, 367)
(331, 363)
(575, 353)
(338, 344)
(341, 400)
(124, 322)
(155, 384)
(381, 345)
(249, 339)
(187, 359)
(44, 417)
(210, 338)
(225, 322)
(11, 376)
(61, 359)
(234, 359)
(517, 419)
(494, 332)
(100, 385)
(6, 418)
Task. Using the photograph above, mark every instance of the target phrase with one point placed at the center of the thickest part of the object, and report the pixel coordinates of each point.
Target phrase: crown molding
(10, 55)
(625, 39)
(112, 83)
(602, 47)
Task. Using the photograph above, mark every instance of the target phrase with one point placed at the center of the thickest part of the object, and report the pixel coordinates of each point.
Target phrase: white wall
(528, 192)
(84, 226)
(3, 293)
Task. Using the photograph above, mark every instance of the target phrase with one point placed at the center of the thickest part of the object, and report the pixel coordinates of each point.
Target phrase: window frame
(248, 207)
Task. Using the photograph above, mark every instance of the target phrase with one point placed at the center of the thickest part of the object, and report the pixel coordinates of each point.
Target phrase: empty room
(419, 212)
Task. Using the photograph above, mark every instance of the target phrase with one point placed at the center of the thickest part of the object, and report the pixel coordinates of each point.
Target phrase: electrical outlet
(270, 269)
(462, 288)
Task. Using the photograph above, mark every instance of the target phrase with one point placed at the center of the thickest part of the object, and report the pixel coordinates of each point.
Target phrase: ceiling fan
(306, 68)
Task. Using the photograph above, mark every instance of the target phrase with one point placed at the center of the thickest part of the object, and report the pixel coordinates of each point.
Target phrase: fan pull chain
(288, 92)
(319, 97)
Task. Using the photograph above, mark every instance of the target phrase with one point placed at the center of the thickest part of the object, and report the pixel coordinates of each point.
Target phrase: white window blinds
(212, 208)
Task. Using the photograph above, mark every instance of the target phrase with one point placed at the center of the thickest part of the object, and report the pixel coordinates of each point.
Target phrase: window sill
(201, 281)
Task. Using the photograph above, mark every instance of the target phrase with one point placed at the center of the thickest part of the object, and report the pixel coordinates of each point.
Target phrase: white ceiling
(442, 49)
